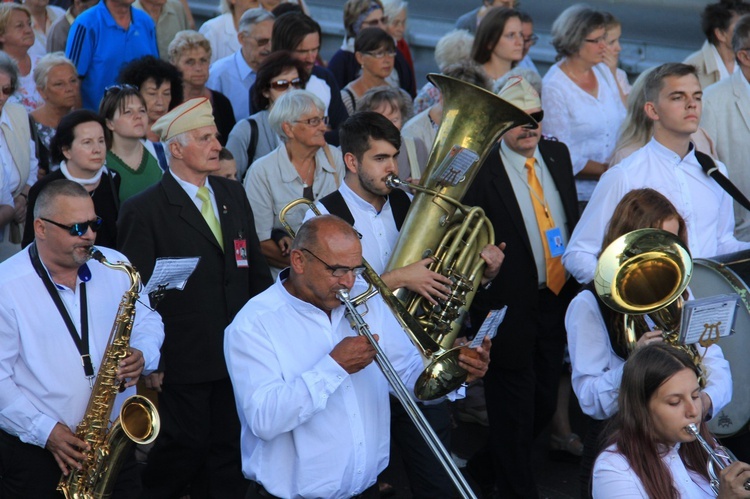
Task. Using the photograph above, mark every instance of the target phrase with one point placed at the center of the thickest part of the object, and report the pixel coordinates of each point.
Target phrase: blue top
(99, 47)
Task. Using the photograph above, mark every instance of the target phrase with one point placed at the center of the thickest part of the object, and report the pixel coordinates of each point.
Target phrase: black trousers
(198, 446)
(521, 403)
(27, 470)
(427, 478)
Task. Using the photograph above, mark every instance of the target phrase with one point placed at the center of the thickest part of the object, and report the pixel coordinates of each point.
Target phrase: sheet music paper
(173, 273)
(455, 165)
(489, 326)
(705, 320)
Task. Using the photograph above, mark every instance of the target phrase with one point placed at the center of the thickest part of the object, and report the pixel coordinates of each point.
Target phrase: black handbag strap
(709, 166)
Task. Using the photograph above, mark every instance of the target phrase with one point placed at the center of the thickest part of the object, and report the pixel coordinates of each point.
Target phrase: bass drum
(725, 274)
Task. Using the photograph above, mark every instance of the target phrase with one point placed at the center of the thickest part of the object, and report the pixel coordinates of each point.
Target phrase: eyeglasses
(119, 86)
(531, 40)
(80, 228)
(596, 41)
(374, 23)
(262, 42)
(314, 121)
(339, 270)
(7, 90)
(381, 53)
(284, 84)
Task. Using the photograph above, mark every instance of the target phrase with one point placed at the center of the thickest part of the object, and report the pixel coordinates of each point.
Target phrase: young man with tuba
(57, 309)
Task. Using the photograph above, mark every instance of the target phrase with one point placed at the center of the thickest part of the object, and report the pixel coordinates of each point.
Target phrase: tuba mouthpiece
(394, 182)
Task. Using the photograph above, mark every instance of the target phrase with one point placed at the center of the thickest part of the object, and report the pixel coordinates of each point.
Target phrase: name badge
(555, 242)
(240, 253)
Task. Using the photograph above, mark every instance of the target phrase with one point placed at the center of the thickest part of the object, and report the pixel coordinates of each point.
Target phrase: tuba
(452, 234)
(643, 274)
(138, 421)
(439, 226)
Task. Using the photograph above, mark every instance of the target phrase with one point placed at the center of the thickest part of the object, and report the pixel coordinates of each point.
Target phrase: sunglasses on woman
(284, 84)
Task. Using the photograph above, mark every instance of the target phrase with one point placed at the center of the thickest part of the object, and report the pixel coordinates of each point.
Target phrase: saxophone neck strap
(82, 341)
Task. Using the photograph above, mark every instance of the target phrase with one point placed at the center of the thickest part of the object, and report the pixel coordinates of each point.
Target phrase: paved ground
(555, 479)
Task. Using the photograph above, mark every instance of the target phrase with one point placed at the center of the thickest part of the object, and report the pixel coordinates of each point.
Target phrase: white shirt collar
(191, 189)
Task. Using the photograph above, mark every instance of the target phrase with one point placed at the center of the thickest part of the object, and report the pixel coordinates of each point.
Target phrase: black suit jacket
(163, 221)
(517, 283)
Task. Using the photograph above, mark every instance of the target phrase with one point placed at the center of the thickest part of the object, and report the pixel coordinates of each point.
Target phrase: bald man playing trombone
(313, 406)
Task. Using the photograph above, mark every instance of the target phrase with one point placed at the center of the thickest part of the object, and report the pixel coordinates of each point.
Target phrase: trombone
(406, 321)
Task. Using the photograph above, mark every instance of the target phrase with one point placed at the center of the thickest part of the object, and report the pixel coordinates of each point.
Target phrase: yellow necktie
(207, 210)
(555, 269)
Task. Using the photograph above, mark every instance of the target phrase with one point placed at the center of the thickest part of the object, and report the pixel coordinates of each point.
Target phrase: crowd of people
(124, 127)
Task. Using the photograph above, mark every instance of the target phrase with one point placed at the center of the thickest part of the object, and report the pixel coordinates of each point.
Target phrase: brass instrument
(439, 226)
(410, 406)
(138, 421)
(644, 273)
(720, 458)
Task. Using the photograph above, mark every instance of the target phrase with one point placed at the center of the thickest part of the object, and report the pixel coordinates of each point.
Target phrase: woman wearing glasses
(190, 52)
(304, 165)
(581, 98)
(498, 44)
(18, 163)
(360, 15)
(253, 138)
(375, 51)
(80, 147)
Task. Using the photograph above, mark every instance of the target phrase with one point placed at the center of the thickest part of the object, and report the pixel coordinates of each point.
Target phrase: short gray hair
(290, 107)
(46, 64)
(453, 47)
(394, 97)
(55, 189)
(251, 17)
(470, 72)
(391, 8)
(9, 67)
(181, 138)
(741, 37)
(572, 26)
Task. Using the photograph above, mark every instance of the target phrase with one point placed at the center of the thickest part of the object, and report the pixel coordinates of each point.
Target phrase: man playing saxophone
(56, 312)
(314, 409)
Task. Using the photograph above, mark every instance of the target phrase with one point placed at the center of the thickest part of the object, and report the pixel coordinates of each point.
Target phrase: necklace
(309, 170)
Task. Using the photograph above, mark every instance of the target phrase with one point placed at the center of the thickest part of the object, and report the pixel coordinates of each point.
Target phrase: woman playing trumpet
(596, 340)
(650, 453)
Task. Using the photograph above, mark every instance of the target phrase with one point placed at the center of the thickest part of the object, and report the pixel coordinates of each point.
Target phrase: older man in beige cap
(526, 188)
(191, 213)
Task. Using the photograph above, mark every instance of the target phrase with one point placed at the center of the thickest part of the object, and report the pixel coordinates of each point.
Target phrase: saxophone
(138, 421)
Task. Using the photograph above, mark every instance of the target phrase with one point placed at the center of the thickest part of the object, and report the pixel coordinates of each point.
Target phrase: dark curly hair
(136, 72)
(272, 66)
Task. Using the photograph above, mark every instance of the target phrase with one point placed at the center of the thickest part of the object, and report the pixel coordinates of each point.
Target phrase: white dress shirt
(320, 88)
(705, 206)
(222, 35)
(41, 378)
(378, 229)
(614, 478)
(597, 370)
(309, 429)
(233, 77)
(588, 125)
(192, 191)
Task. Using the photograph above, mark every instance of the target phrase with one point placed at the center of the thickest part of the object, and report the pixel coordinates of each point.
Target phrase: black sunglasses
(80, 228)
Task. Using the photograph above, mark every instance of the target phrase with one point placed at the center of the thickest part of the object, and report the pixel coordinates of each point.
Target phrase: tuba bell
(437, 225)
(643, 274)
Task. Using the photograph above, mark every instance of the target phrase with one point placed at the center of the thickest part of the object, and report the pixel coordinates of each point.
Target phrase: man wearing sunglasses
(314, 407)
(57, 308)
(526, 189)
(193, 213)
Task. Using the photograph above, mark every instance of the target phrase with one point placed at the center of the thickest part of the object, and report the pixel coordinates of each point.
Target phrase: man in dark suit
(190, 214)
(527, 354)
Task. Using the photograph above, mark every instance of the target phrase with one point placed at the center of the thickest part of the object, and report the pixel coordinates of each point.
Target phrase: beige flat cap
(191, 114)
(521, 94)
